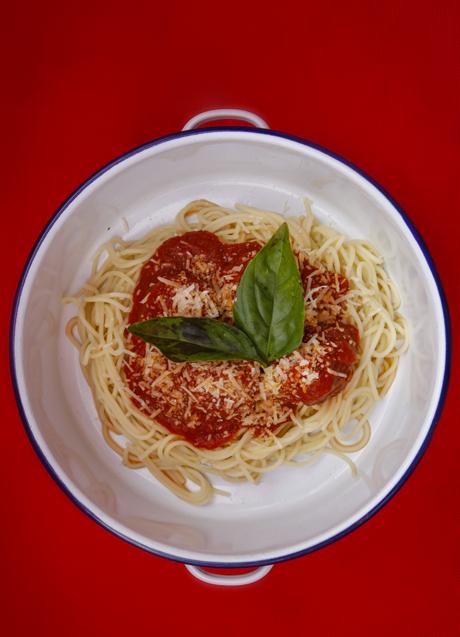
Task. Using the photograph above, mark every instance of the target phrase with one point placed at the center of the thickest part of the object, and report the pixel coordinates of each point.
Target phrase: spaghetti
(135, 432)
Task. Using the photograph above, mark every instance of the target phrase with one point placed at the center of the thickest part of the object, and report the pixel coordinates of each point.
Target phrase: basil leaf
(196, 339)
(269, 304)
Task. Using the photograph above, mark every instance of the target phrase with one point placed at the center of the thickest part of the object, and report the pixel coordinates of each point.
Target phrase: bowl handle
(225, 113)
(228, 580)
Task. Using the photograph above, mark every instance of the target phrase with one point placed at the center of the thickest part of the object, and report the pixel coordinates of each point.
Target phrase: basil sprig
(268, 314)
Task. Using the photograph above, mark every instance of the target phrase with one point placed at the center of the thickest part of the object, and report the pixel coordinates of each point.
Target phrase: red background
(375, 81)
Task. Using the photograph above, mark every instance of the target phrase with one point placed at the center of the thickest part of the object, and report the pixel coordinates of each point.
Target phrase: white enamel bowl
(293, 511)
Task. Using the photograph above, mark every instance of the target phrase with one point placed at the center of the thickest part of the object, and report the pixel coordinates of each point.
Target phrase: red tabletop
(375, 81)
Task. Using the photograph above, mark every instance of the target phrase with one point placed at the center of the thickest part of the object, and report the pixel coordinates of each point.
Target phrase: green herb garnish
(269, 304)
(268, 313)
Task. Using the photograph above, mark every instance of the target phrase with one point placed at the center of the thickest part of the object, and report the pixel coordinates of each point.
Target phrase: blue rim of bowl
(415, 234)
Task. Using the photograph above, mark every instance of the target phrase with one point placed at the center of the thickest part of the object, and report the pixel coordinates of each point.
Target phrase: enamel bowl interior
(292, 510)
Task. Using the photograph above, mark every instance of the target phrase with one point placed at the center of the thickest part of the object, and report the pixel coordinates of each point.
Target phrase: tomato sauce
(208, 403)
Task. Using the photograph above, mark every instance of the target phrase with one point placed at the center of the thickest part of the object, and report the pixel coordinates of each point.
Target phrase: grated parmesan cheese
(334, 373)
(191, 301)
